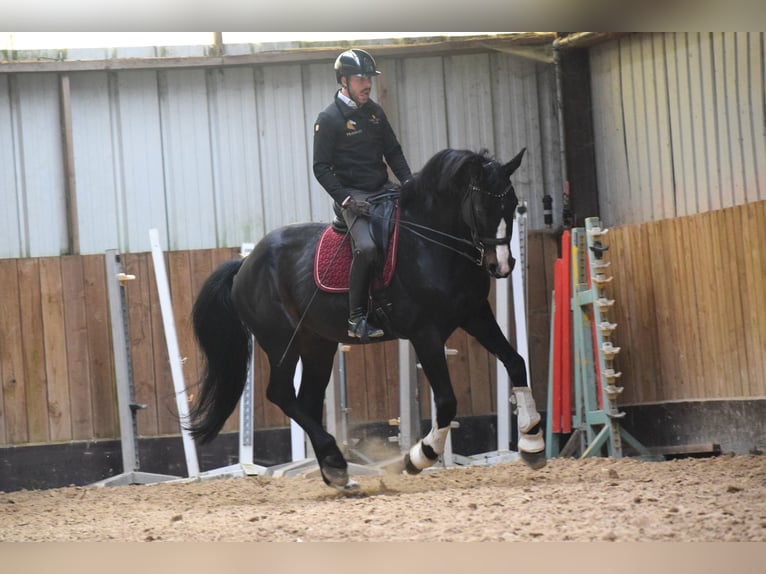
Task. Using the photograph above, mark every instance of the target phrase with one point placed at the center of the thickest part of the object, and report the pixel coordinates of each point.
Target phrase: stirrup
(359, 327)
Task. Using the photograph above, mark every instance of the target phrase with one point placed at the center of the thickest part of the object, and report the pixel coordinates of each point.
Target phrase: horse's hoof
(409, 467)
(350, 486)
(534, 460)
(393, 466)
(336, 477)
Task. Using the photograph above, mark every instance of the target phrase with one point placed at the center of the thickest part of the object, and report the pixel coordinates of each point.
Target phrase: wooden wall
(691, 306)
(56, 356)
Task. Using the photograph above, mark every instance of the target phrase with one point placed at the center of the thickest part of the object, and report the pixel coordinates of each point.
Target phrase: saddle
(332, 260)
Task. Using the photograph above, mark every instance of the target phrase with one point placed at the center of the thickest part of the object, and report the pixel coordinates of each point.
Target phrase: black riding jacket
(349, 147)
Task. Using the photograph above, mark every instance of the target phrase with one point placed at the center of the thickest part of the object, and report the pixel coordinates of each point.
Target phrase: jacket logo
(351, 128)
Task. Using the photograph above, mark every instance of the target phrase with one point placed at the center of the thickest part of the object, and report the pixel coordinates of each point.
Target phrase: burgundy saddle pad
(332, 261)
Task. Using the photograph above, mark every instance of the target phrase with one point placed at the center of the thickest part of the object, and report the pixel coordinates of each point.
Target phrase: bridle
(477, 242)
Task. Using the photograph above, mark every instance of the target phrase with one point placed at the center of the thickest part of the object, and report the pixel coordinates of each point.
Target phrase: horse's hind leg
(306, 409)
(317, 367)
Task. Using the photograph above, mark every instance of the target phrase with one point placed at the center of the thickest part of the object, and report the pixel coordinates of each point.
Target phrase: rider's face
(358, 89)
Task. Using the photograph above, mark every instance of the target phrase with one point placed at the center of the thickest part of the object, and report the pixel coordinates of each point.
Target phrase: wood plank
(76, 333)
(645, 348)
(30, 307)
(376, 383)
(481, 365)
(688, 244)
(13, 401)
(753, 294)
(392, 379)
(722, 297)
(459, 371)
(733, 281)
(141, 339)
(181, 296)
(662, 278)
(99, 346)
(709, 308)
(760, 209)
(356, 377)
(760, 294)
(56, 367)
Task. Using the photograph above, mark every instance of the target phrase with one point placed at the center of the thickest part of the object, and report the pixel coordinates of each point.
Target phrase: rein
(476, 242)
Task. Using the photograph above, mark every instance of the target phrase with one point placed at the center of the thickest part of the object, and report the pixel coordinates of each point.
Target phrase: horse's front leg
(484, 328)
(429, 347)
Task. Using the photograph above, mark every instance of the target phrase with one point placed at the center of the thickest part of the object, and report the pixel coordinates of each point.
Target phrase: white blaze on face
(502, 252)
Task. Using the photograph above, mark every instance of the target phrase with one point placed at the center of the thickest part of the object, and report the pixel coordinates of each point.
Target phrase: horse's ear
(514, 164)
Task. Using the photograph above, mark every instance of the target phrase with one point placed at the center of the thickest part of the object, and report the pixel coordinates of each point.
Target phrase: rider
(352, 136)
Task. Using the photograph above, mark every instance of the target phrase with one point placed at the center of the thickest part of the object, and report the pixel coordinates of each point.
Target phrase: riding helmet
(355, 63)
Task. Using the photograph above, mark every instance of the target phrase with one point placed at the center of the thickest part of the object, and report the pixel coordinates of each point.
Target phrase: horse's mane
(447, 173)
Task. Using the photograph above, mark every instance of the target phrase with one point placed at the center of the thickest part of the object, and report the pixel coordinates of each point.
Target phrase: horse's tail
(225, 342)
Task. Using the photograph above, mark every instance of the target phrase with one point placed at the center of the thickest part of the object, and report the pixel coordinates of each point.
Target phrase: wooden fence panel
(692, 306)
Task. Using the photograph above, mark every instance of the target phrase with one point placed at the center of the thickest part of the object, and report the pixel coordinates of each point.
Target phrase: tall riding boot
(359, 325)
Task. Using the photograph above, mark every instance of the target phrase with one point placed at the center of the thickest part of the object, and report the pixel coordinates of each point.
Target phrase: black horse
(456, 219)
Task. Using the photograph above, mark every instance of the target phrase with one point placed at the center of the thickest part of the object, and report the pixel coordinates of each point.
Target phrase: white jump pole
(163, 290)
(297, 435)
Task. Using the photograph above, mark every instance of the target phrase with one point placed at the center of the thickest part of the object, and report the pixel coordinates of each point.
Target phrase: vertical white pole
(163, 290)
(520, 293)
(297, 436)
(503, 391)
(409, 409)
(246, 412)
(122, 369)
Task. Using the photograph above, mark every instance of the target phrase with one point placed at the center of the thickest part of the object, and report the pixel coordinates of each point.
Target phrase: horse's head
(488, 210)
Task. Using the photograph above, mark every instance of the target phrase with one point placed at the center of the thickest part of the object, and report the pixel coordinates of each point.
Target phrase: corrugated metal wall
(680, 124)
(217, 157)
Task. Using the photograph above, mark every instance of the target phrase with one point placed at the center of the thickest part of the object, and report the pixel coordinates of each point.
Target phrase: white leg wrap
(531, 443)
(527, 413)
(436, 439)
